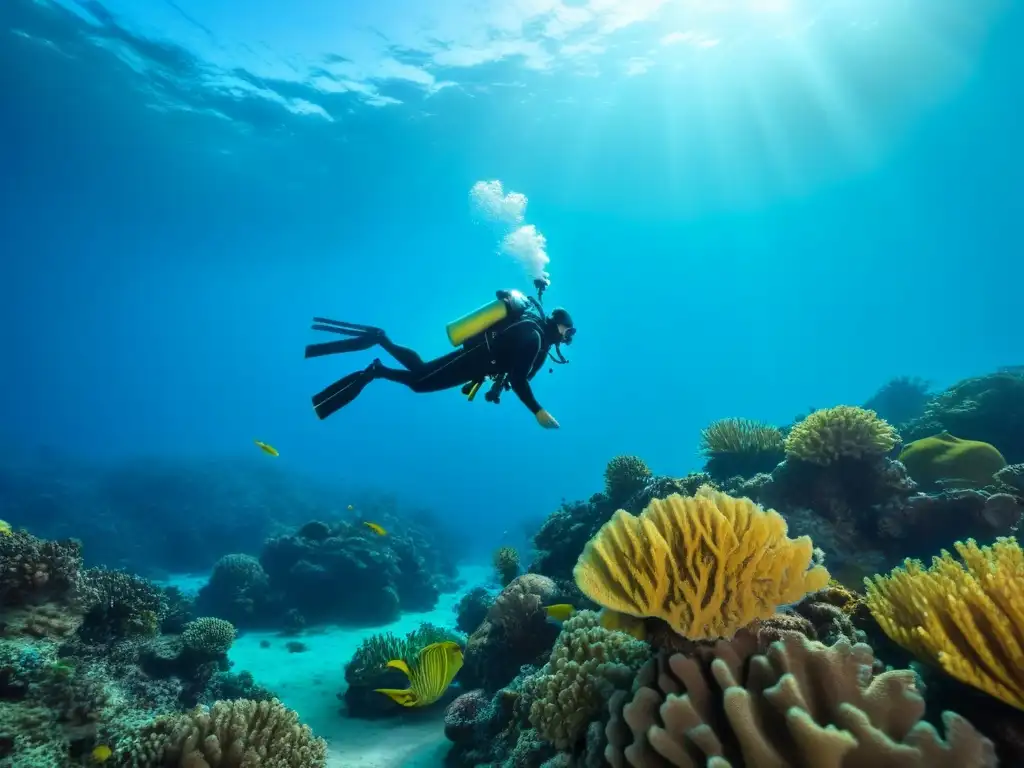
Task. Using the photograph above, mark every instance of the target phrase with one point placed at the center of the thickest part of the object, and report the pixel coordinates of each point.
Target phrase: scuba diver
(507, 341)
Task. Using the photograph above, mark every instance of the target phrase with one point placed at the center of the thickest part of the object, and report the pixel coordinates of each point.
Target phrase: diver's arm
(526, 350)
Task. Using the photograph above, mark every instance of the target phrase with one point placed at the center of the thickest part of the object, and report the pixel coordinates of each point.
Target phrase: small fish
(429, 677)
(350, 507)
(5, 528)
(376, 529)
(266, 448)
(101, 753)
(560, 612)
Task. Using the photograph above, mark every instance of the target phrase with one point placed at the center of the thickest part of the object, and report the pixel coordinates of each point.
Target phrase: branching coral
(740, 447)
(120, 605)
(33, 570)
(587, 664)
(707, 565)
(845, 431)
(624, 476)
(230, 734)
(966, 617)
(209, 635)
(801, 704)
(506, 563)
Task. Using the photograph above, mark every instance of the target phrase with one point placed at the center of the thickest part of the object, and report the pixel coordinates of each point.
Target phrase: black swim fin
(363, 337)
(343, 391)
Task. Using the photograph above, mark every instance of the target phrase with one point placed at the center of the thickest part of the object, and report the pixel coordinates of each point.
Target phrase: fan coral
(707, 564)
(944, 457)
(845, 431)
(586, 665)
(802, 703)
(624, 476)
(231, 734)
(966, 617)
(209, 635)
(506, 563)
(740, 447)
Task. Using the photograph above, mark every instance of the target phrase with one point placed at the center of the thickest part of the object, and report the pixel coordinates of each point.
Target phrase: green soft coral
(945, 457)
(587, 665)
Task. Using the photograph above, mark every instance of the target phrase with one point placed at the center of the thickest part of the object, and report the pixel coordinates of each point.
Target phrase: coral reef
(119, 605)
(740, 447)
(506, 563)
(515, 632)
(967, 618)
(208, 635)
(624, 476)
(986, 408)
(587, 664)
(82, 656)
(472, 609)
(367, 670)
(901, 400)
(238, 590)
(34, 570)
(842, 432)
(230, 734)
(802, 703)
(304, 572)
(565, 532)
(1011, 478)
(707, 564)
(156, 516)
(945, 458)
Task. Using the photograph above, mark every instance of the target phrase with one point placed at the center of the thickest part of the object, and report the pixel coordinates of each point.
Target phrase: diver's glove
(546, 420)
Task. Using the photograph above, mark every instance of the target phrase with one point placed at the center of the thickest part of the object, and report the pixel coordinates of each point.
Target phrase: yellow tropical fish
(376, 529)
(621, 622)
(101, 753)
(269, 449)
(5, 528)
(559, 612)
(430, 675)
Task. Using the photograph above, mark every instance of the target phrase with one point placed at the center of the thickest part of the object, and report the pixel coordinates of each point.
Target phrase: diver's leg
(406, 357)
(446, 372)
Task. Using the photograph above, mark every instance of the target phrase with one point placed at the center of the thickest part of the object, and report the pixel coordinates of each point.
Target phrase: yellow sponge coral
(707, 564)
(944, 457)
(845, 431)
(967, 619)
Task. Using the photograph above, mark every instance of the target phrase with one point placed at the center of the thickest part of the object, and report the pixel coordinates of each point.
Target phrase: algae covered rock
(944, 457)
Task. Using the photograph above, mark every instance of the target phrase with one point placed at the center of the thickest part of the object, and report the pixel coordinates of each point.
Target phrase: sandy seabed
(309, 682)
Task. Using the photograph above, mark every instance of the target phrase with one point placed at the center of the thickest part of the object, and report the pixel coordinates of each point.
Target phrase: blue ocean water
(774, 210)
(751, 208)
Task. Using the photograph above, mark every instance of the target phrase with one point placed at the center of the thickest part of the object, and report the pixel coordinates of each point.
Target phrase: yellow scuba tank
(507, 303)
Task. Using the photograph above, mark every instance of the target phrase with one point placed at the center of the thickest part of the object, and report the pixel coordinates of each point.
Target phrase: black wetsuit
(517, 349)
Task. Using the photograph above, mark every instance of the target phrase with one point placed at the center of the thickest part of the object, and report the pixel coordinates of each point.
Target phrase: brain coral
(944, 457)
